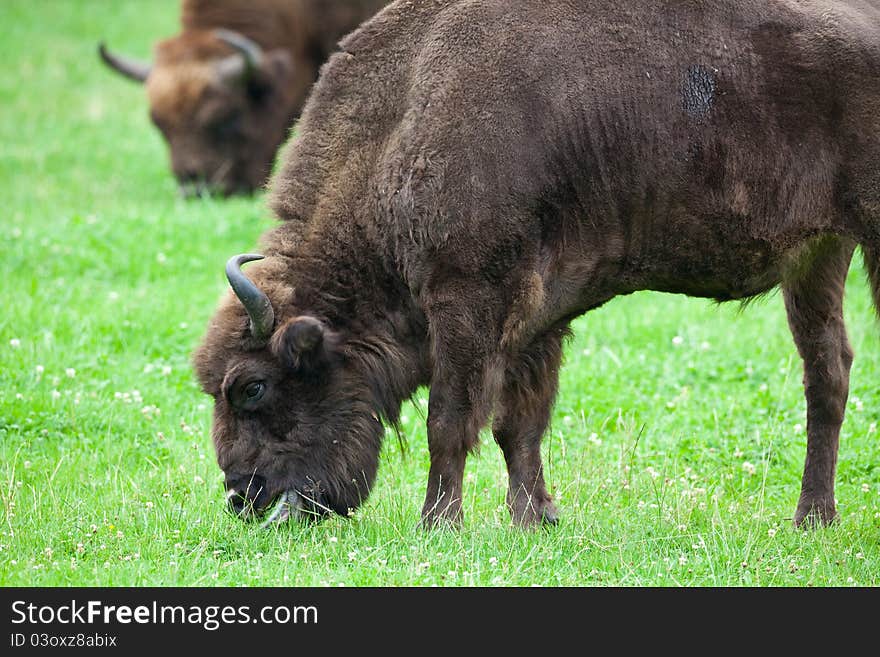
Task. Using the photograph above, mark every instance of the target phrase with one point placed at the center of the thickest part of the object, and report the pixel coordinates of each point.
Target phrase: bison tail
(871, 257)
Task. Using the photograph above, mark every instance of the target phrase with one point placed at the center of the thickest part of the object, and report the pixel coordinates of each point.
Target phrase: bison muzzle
(471, 176)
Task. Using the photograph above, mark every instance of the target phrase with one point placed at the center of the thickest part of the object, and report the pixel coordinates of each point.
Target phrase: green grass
(677, 441)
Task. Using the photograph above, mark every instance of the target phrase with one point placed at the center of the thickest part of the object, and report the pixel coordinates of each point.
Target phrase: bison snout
(247, 496)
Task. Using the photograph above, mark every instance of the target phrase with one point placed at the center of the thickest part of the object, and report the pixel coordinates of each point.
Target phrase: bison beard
(471, 176)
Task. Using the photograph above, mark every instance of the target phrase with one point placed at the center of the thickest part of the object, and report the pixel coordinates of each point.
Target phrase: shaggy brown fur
(471, 175)
(223, 132)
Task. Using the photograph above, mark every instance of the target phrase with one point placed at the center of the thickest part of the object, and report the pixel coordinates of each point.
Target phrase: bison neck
(339, 277)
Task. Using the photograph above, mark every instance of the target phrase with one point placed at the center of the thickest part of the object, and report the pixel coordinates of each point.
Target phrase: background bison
(471, 176)
(225, 91)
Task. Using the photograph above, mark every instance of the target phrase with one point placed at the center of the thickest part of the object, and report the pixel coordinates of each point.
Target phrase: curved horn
(130, 68)
(255, 302)
(248, 48)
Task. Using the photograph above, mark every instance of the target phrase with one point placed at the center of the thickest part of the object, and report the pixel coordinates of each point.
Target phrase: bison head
(296, 430)
(217, 99)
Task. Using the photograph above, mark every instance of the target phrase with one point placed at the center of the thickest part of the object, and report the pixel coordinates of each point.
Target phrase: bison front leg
(814, 302)
(451, 435)
(463, 386)
(521, 417)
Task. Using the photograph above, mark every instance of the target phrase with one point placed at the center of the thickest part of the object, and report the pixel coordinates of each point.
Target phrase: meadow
(677, 440)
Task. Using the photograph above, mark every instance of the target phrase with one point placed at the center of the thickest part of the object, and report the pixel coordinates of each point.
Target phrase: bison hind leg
(814, 304)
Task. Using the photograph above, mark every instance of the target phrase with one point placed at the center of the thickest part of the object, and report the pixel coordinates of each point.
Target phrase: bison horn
(255, 302)
(130, 68)
(247, 48)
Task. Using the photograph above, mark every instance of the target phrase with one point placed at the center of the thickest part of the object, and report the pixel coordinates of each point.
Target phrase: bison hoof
(432, 522)
(814, 514)
(528, 513)
(448, 517)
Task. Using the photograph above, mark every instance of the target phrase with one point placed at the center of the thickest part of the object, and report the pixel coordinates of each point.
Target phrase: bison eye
(227, 127)
(254, 390)
(247, 396)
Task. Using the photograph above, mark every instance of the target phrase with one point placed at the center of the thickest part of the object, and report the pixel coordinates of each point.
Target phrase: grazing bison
(472, 175)
(226, 89)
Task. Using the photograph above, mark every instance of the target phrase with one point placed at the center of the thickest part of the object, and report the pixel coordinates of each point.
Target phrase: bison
(469, 176)
(225, 91)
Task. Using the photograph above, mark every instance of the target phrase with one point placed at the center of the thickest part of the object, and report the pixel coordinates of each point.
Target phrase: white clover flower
(749, 468)
(15, 343)
(678, 340)
(70, 372)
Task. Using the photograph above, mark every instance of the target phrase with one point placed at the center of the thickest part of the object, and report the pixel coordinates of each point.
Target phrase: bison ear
(303, 343)
(273, 74)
